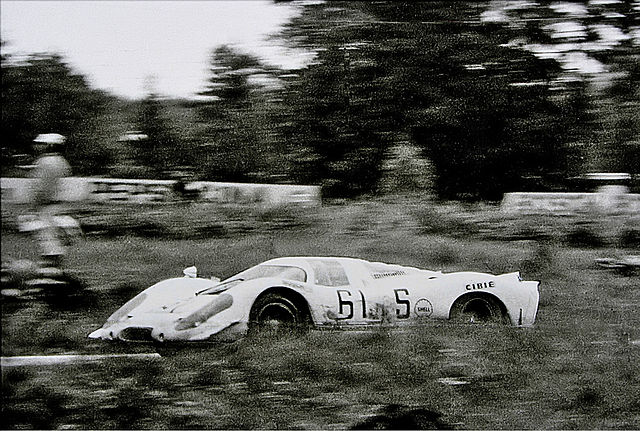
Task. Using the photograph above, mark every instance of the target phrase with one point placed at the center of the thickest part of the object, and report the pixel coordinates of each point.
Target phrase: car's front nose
(130, 333)
(189, 321)
(97, 334)
(130, 328)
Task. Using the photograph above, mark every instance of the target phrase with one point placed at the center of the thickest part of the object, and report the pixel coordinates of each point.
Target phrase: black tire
(277, 313)
(477, 309)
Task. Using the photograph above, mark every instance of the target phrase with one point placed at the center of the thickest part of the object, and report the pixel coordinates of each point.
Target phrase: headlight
(219, 304)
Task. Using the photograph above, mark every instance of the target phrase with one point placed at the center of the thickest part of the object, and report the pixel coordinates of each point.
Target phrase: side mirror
(191, 272)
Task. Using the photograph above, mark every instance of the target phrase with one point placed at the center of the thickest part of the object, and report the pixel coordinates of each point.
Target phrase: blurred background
(461, 100)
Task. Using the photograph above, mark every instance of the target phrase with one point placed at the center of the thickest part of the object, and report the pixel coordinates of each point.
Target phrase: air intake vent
(136, 334)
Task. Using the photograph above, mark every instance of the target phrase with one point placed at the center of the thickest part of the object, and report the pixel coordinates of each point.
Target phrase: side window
(329, 273)
(294, 273)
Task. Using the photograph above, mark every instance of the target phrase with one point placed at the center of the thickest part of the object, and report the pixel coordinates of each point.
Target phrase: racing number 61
(346, 303)
(343, 302)
(402, 312)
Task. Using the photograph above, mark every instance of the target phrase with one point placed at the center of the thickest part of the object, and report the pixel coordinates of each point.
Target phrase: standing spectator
(49, 169)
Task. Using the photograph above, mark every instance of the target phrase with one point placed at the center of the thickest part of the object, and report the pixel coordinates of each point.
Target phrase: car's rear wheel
(277, 313)
(477, 309)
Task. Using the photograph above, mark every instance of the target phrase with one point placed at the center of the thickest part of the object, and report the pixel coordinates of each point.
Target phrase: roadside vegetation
(577, 368)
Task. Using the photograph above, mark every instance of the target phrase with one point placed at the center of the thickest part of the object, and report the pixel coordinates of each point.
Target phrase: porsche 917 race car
(321, 292)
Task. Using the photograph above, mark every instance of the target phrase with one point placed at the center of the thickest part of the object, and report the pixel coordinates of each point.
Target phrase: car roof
(293, 260)
(374, 269)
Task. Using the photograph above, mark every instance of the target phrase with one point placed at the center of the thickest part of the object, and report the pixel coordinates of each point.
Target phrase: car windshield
(220, 287)
(261, 271)
(281, 271)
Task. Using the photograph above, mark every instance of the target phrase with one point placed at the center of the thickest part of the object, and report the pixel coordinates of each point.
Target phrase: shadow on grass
(399, 417)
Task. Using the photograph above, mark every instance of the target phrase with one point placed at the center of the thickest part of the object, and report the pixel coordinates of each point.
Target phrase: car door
(342, 297)
(396, 294)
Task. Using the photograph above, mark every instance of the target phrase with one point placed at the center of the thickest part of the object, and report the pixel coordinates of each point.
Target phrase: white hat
(50, 138)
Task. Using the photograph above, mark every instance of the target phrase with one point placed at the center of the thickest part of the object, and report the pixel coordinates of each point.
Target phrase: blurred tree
(595, 43)
(406, 171)
(229, 142)
(162, 152)
(341, 111)
(626, 124)
(492, 123)
(481, 111)
(498, 96)
(40, 94)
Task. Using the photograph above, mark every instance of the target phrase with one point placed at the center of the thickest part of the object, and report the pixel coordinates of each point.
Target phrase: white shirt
(49, 169)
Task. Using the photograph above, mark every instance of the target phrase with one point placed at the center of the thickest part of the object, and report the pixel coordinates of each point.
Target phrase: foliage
(229, 138)
(389, 70)
(595, 44)
(41, 94)
(463, 99)
(341, 107)
(162, 150)
(491, 116)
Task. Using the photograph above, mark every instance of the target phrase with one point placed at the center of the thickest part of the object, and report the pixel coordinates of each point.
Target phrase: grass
(576, 369)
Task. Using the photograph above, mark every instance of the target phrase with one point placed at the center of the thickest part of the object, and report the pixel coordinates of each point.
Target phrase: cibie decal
(484, 285)
(423, 308)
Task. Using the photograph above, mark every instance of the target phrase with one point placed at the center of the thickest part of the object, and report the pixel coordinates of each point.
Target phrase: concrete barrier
(262, 194)
(608, 200)
(110, 190)
(114, 190)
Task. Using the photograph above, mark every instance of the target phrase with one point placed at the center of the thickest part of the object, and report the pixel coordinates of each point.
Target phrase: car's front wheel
(278, 313)
(477, 309)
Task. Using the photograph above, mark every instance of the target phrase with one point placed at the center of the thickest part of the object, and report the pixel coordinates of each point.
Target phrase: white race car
(321, 292)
